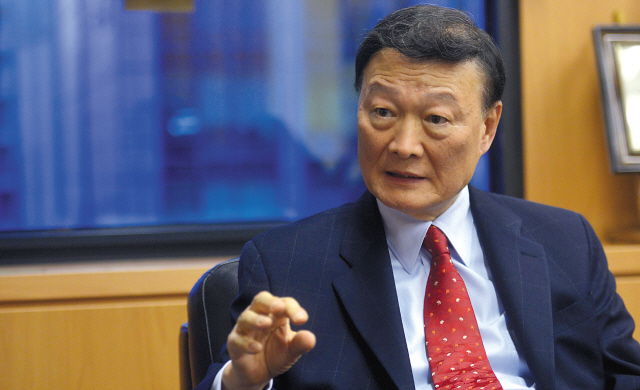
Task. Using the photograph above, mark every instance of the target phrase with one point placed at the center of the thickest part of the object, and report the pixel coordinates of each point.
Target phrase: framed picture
(618, 54)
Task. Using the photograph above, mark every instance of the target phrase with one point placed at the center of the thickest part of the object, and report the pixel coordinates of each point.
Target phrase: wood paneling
(82, 281)
(120, 345)
(98, 326)
(565, 155)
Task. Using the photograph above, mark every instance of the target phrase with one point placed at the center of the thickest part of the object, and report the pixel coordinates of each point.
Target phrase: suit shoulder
(566, 236)
(518, 204)
(533, 215)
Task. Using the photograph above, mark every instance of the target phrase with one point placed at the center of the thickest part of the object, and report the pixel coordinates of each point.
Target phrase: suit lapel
(368, 292)
(521, 276)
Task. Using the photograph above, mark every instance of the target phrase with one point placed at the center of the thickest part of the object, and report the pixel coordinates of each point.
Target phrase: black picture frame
(618, 51)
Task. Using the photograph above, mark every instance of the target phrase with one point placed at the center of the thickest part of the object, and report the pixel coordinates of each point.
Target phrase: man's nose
(408, 139)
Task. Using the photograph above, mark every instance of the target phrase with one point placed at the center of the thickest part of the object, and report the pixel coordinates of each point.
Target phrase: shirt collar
(405, 233)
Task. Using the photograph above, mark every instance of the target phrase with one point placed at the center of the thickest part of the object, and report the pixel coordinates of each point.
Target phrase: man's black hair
(433, 33)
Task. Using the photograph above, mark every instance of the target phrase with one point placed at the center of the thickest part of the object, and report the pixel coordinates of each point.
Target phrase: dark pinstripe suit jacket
(548, 267)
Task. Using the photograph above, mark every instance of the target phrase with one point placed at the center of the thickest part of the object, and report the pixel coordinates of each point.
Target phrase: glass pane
(627, 56)
(239, 111)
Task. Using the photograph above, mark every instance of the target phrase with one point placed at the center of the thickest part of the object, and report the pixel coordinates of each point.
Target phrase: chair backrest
(185, 367)
(209, 320)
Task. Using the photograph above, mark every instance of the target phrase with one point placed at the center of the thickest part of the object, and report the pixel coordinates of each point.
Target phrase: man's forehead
(393, 58)
(389, 70)
(375, 88)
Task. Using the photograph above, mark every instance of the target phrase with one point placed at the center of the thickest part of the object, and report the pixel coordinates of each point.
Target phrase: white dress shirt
(411, 264)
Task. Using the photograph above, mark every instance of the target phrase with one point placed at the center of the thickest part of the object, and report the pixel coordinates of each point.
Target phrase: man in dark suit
(359, 279)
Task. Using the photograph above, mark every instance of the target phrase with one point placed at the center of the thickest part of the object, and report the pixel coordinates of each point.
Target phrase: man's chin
(426, 211)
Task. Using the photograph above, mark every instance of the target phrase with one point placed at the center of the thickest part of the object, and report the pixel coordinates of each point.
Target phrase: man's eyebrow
(377, 87)
(442, 96)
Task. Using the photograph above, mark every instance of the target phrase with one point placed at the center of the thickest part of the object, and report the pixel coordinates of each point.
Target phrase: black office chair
(209, 322)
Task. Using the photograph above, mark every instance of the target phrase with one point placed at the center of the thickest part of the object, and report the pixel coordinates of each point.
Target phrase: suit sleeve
(620, 352)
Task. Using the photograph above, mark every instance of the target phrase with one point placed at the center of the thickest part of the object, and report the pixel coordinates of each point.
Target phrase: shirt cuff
(217, 382)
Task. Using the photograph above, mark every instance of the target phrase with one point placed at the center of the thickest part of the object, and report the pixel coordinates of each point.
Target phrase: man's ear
(491, 119)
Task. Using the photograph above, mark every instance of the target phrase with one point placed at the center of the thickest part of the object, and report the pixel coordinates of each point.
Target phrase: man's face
(421, 131)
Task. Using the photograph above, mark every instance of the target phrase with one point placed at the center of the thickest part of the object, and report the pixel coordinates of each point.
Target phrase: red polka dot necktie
(454, 346)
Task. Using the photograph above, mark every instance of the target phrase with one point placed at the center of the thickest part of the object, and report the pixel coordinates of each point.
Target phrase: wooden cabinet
(98, 326)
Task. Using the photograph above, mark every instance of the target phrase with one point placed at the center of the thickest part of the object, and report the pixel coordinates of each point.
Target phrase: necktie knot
(436, 242)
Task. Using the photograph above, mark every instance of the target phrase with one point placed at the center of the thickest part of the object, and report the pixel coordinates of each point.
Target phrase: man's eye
(382, 112)
(436, 119)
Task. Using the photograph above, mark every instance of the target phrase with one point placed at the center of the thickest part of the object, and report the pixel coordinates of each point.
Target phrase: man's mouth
(404, 175)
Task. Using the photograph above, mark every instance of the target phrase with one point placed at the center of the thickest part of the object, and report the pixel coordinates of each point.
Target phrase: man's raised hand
(262, 344)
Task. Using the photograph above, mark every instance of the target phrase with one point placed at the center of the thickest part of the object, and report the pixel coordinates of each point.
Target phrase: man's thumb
(301, 343)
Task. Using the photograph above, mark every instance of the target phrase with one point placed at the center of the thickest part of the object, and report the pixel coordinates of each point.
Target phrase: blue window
(241, 111)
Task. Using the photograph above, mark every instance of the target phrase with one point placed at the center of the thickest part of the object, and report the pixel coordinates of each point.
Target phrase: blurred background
(238, 111)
